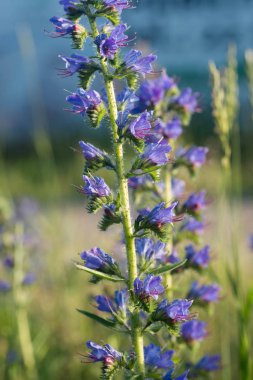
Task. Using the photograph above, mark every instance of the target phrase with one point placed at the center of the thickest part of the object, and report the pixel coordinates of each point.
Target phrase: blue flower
(195, 202)
(29, 279)
(168, 376)
(204, 293)
(176, 311)
(153, 155)
(8, 262)
(74, 64)
(198, 259)
(109, 45)
(118, 304)
(134, 61)
(96, 187)
(187, 100)
(193, 331)
(194, 156)
(140, 127)
(68, 4)
(150, 287)
(83, 101)
(178, 186)
(99, 260)
(171, 130)
(119, 5)
(4, 286)
(209, 363)
(63, 26)
(139, 182)
(106, 354)
(193, 225)
(95, 158)
(161, 215)
(154, 357)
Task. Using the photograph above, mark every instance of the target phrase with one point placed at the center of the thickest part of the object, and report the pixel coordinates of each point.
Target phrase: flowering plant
(151, 118)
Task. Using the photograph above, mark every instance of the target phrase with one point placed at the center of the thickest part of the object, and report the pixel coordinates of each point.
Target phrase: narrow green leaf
(101, 275)
(102, 321)
(167, 268)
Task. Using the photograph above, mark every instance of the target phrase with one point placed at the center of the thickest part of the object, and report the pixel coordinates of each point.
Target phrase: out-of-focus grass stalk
(225, 112)
(249, 71)
(20, 298)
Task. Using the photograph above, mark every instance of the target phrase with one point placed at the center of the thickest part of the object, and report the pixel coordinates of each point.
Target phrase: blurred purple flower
(168, 376)
(188, 100)
(193, 331)
(195, 156)
(29, 279)
(69, 4)
(154, 357)
(209, 363)
(154, 155)
(161, 215)
(119, 5)
(204, 293)
(251, 241)
(195, 202)
(117, 304)
(74, 64)
(96, 187)
(170, 130)
(8, 262)
(140, 127)
(150, 287)
(4, 286)
(193, 225)
(199, 259)
(178, 187)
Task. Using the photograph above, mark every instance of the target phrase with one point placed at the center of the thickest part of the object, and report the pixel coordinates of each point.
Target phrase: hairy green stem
(137, 337)
(169, 244)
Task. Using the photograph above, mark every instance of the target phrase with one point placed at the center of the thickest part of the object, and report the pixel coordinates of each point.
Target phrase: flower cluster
(151, 117)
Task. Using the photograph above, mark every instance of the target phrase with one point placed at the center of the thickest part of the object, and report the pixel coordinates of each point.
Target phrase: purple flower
(195, 156)
(148, 249)
(29, 279)
(194, 226)
(178, 187)
(140, 127)
(171, 130)
(134, 61)
(151, 287)
(94, 157)
(96, 187)
(193, 331)
(118, 304)
(119, 5)
(198, 259)
(152, 92)
(251, 241)
(8, 262)
(138, 182)
(68, 4)
(168, 376)
(106, 354)
(176, 311)
(172, 258)
(83, 101)
(153, 155)
(195, 202)
(63, 27)
(74, 64)
(109, 45)
(154, 357)
(4, 286)
(204, 293)
(161, 215)
(97, 259)
(209, 363)
(187, 100)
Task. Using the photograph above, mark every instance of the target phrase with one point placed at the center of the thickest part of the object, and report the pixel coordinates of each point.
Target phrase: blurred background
(36, 160)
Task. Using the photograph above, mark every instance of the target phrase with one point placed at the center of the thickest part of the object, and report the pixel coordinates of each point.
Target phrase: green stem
(21, 309)
(169, 246)
(137, 337)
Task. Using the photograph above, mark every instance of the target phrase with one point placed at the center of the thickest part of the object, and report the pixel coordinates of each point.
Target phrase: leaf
(103, 276)
(102, 321)
(167, 268)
